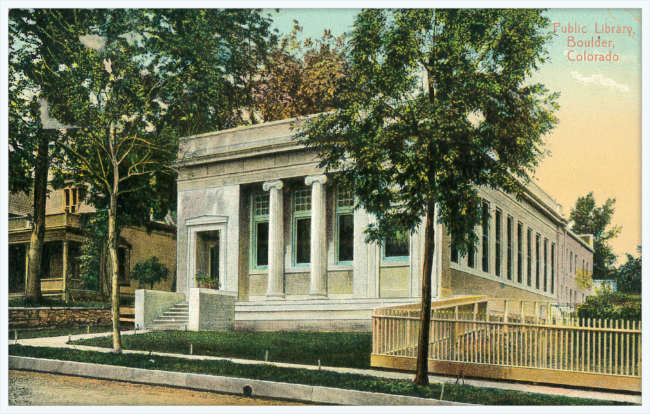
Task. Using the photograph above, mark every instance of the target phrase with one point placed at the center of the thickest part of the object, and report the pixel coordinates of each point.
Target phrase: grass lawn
(334, 349)
(459, 393)
(56, 331)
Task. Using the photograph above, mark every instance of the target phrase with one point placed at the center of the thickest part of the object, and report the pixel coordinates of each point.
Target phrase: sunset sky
(597, 144)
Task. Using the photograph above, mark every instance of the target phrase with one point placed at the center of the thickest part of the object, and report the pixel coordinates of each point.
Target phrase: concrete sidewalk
(61, 342)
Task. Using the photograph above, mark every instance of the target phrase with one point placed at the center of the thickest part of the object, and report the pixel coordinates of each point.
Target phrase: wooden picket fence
(482, 338)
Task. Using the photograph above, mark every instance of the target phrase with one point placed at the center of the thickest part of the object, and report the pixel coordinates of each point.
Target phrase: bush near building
(611, 305)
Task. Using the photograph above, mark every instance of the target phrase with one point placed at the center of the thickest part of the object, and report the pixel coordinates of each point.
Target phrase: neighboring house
(605, 284)
(255, 211)
(63, 238)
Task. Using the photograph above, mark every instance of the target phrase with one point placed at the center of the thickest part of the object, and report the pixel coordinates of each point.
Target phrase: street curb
(228, 385)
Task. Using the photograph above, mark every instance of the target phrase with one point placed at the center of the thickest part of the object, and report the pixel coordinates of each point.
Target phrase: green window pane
(214, 263)
(303, 200)
(303, 240)
(454, 253)
(262, 244)
(486, 236)
(397, 246)
(346, 238)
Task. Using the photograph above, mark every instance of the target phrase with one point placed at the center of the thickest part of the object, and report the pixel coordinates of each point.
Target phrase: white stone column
(318, 252)
(275, 275)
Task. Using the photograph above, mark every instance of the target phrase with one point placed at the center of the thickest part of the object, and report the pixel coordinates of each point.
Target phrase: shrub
(150, 272)
(611, 305)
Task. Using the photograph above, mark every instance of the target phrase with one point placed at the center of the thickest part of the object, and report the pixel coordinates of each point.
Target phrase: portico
(296, 250)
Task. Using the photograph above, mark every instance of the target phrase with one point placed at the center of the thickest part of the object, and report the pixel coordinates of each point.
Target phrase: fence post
(505, 316)
(536, 312)
(523, 311)
(455, 334)
(408, 332)
(639, 355)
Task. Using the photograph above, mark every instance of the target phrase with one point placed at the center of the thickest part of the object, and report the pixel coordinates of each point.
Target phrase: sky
(596, 146)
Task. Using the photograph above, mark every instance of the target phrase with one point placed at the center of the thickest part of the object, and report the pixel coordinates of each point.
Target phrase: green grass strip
(458, 393)
(333, 349)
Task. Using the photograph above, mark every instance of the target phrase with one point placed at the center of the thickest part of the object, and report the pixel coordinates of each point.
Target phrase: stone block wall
(20, 318)
(149, 304)
(211, 310)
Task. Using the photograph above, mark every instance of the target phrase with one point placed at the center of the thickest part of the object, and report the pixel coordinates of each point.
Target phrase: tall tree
(301, 78)
(439, 105)
(129, 82)
(629, 275)
(29, 141)
(589, 219)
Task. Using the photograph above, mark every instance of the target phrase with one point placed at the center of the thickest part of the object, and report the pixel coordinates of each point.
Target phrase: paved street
(35, 388)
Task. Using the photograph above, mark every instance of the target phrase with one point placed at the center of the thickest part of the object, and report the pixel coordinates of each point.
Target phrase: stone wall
(150, 304)
(20, 318)
(211, 310)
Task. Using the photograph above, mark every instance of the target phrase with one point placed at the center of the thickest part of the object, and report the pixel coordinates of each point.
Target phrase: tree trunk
(41, 167)
(115, 295)
(112, 249)
(422, 369)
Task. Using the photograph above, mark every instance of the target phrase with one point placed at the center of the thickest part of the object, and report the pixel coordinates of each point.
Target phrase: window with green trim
(397, 247)
(520, 252)
(497, 242)
(509, 258)
(537, 259)
(552, 267)
(301, 241)
(454, 252)
(545, 280)
(529, 254)
(260, 231)
(485, 245)
(344, 226)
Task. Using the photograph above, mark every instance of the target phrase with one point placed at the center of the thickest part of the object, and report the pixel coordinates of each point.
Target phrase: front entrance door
(214, 259)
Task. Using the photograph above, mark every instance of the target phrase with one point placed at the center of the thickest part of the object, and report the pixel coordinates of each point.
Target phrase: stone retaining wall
(20, 318)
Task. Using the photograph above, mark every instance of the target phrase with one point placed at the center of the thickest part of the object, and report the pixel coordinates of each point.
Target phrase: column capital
(322, 179)
(272, 184)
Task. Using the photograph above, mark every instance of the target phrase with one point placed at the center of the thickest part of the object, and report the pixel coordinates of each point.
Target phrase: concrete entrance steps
(127, 314)
(303, 314)
(177, 318)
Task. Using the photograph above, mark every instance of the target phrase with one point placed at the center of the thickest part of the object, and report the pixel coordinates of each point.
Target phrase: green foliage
(629, 275)
(337, 349)
(324, 378)
(301, 78)
(56, 331)
(616, 305)
(130, 82)
(604, 288)
(150, 271)
(437, 105)
(589, 219)
(24, 122)
(90, 257)
(205, 278)
(583, 279)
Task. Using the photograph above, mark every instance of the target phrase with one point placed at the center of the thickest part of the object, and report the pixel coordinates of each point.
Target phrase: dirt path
(35, 388)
